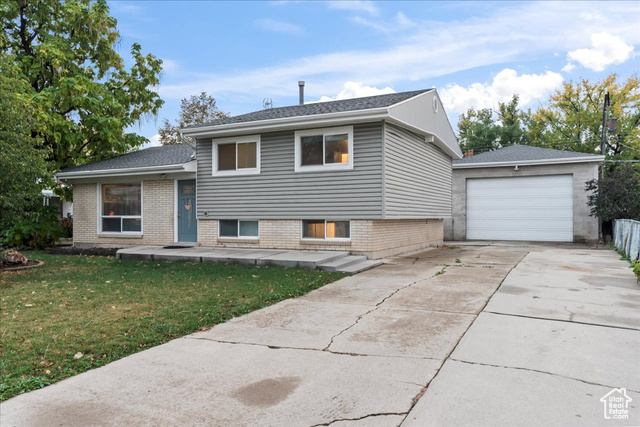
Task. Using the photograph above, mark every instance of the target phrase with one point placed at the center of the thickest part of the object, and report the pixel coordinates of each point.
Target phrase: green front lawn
(76, 313)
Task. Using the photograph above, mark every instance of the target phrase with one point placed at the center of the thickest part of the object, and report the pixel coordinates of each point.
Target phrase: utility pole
(608, 124)
(603, 143)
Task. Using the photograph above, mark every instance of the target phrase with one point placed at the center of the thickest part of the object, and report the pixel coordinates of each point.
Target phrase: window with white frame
(236, 228)
(324, 149)
(121, 208)
(325, 229)
(236, 156)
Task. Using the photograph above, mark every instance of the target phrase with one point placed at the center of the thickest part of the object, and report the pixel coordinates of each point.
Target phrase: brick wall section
(157, 216)
(85, 220)
(393, 237)
(158, 212)
(373, 238)
(283, 234)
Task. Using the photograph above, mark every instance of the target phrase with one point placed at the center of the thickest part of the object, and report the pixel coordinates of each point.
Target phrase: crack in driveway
(539, 372)
(381, 414)
(377, 306)
(279, 347)
(462, 336)
(524, 316)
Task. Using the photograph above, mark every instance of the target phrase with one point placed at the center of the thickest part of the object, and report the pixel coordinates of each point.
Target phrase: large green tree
(572, 119)
(22, 156)
(195, 110)
(486, 129)
(66, 53)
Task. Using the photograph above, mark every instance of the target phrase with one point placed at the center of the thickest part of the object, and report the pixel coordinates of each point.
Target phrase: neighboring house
(50, 199)
(523, 193)
(368, 175)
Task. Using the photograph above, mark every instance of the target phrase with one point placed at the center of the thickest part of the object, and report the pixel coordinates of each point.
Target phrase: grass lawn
(76, 313)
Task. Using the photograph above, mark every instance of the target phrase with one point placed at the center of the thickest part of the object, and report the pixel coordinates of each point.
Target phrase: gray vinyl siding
(280, 193)
(417, 177)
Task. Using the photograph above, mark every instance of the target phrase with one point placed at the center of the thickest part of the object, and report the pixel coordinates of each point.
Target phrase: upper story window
(121, 208)
(236, 156)
(324, 149)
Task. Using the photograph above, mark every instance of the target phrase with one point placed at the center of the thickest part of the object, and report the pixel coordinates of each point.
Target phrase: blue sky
(475, 53)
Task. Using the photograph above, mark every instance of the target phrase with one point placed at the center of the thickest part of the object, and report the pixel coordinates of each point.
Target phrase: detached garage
(523, 193)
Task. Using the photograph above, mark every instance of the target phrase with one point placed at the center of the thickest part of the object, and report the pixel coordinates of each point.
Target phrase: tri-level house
(369, 175)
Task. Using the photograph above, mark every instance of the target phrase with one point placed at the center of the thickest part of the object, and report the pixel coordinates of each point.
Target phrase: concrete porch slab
(251, 256)
(301, 259)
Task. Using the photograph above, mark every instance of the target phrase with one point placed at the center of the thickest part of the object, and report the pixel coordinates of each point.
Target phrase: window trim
(100, 216)
(329, 239)
(324, 132)
(239, 237)
(237, 140)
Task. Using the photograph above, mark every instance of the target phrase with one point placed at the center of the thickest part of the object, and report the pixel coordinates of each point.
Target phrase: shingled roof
(315, 108)
(150, 157)
(520, 153)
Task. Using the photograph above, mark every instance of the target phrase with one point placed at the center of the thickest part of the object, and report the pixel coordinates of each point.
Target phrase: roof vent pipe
(301, 87)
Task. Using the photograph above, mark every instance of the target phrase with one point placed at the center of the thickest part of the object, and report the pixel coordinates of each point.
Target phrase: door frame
(175, 209)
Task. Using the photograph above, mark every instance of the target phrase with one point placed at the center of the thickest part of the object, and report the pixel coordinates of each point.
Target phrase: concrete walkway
(412, 342)
(323, 260)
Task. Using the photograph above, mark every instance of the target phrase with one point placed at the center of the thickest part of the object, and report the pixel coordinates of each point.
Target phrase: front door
(187, 223)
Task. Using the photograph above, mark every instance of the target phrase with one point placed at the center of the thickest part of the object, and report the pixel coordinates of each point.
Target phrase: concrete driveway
(481, 334)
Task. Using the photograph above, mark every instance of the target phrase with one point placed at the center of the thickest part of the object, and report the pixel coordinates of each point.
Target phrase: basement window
(234, 228)
(325, 229)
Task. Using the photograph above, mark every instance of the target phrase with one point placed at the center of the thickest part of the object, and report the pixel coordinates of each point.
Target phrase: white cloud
(400, 23)
(529, 87)
(355, 6)
(278, 26)
(356, 90)
(169, 65)
(509, 33)
(606, 49)
(154, 141)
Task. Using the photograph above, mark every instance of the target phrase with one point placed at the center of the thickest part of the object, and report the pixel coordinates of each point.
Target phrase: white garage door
(536, 208)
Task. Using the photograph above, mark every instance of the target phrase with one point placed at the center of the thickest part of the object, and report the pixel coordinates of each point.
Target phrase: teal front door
(187, 223)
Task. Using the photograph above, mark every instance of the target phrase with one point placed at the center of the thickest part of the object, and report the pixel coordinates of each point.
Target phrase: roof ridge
(319, 107)
(522, 152)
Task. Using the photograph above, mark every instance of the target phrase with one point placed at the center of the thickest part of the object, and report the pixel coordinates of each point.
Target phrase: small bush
(66, 228)
(37, 229)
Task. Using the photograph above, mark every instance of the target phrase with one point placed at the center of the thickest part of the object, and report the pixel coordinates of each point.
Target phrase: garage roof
(524, 154)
